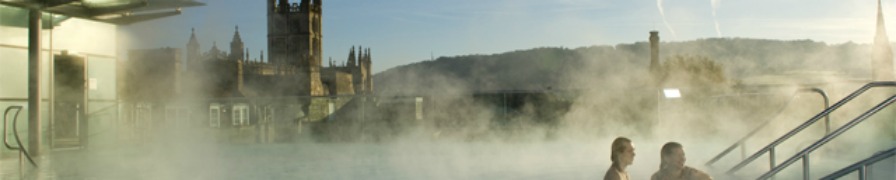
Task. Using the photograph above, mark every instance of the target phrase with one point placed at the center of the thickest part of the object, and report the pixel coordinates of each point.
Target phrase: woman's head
(622, 151)
(672, 156)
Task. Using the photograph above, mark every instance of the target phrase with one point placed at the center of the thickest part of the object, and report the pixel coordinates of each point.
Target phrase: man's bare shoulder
(655, 176)
(697, 174)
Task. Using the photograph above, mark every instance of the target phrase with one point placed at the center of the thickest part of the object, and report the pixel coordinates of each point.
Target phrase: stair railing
(862, 165)
(20, 147)
(770, 148)
(740, 143)
(804, 154)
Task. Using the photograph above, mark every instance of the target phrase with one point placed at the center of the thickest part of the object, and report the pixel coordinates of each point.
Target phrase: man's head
(672, 156)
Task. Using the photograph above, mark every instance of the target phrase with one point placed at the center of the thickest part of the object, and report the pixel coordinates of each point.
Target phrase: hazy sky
(406, 31)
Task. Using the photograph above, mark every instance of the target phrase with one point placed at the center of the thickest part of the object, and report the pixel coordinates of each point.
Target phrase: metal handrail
(740, 143)
(770, 147)
(5, 116)
(862, 165)
(824, 140)
(15, 132)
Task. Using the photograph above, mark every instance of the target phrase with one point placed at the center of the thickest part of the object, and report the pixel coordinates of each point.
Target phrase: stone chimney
(655, 66)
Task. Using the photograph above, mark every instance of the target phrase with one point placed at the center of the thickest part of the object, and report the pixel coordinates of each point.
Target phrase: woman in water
(622, 153)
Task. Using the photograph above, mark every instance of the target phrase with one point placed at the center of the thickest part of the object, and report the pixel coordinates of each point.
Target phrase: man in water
(672, 165)
(622, 153)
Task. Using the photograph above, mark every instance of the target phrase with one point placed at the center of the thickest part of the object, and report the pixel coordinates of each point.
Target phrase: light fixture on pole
(671, 93)
(667, 93)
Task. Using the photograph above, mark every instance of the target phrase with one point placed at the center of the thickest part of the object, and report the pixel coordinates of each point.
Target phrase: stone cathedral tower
(294, 42)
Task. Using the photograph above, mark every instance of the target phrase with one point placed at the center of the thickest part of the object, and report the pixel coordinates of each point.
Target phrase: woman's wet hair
(618, 147)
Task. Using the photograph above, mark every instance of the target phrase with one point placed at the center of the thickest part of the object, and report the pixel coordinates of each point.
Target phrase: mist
(606, 92)
(555, 123)
(542, 113)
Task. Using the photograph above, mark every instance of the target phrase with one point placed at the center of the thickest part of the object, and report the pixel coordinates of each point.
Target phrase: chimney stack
(655, 54)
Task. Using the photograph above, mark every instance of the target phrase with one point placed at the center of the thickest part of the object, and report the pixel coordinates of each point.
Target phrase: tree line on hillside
(564, 68)
(608, 90)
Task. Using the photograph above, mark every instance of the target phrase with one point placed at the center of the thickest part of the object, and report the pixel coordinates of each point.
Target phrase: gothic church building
(293, 67)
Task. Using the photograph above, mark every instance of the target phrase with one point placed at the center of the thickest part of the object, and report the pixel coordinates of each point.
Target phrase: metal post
(771, 158)
(51, 68)
(34, 122)
(659, 121)
(806, 167)
(827, 104)
(21, 163)
(862, 171)
(84, 122)
(827, 118)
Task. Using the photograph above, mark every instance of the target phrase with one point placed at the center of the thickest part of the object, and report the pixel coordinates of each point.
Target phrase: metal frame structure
(121, 13)
(804, 154)
(740, 143)
(20, 147)
(862, 166)
(770, 148)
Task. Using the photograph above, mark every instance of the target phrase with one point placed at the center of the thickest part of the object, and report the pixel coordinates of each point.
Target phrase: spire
(262, 56)
(367, 57)
(351, 57)
(360, 55)
(236, 45)
(363, 57)
(193, 41)
(193, 46)
(236, 35)
(882, 55)
(214, 52)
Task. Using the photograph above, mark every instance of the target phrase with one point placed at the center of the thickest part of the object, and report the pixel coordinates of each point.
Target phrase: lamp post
(666, 93)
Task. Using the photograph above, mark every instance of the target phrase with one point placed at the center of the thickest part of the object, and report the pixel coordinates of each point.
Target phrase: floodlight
(672, 93)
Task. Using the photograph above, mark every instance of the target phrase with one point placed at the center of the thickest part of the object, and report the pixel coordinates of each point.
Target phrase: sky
(400, 32)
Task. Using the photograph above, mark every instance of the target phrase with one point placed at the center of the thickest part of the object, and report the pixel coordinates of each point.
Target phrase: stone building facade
(294, 41)
(293, 67)
(290, 84)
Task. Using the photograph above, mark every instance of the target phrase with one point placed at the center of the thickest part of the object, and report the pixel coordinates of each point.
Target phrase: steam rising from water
(659, 6)
(470, 149)
(715, 19)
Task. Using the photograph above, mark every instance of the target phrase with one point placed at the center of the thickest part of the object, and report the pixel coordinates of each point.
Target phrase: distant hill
(597, 66)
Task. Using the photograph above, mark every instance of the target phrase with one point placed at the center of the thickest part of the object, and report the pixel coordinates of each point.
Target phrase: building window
(269, 117)
(240, 115)
(214, 115)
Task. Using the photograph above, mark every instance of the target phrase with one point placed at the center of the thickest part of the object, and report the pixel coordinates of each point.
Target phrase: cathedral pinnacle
(236, 35)
(882, 54)
(193, 40)
(237, 46)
